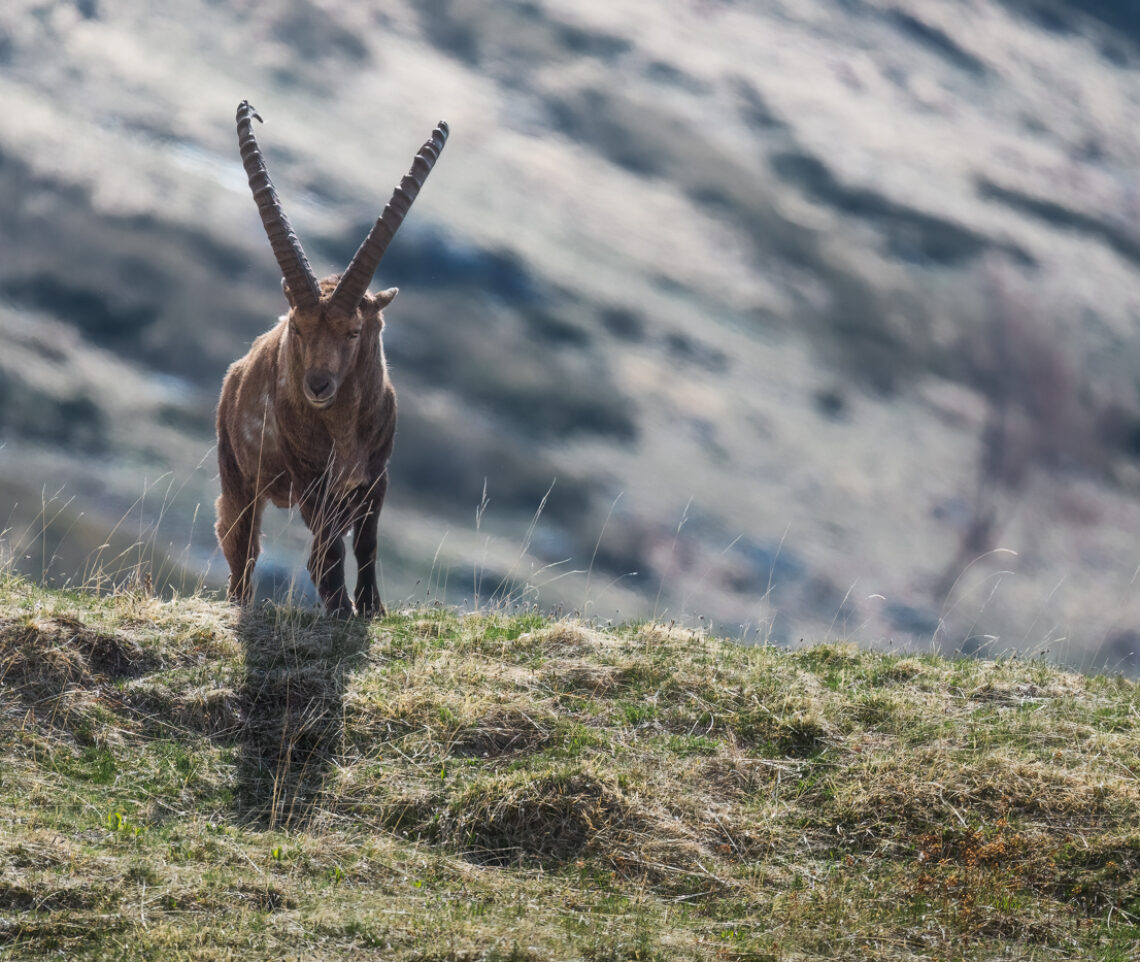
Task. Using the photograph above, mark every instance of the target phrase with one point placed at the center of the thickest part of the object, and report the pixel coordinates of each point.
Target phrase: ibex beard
(308, 417)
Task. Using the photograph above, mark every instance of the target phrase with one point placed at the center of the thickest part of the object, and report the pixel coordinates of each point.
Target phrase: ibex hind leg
(239, 533)
(364, 543)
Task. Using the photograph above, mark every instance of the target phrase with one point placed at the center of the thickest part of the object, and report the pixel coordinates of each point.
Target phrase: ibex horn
(355, 280)
(299, 279)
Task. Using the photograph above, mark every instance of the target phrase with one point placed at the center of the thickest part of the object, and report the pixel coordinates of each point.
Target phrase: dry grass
(178, 782)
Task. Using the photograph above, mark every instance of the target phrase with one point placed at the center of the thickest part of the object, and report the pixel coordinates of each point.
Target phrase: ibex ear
(384, 298)
(288, 296)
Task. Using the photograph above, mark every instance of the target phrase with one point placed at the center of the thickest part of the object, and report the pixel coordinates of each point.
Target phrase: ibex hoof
(368, 603)
(371, 609)
(239, 597)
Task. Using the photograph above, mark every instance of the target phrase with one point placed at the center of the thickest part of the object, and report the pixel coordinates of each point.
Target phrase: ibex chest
(326, 452)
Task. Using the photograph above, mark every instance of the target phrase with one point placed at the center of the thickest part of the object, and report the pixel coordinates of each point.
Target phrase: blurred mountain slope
(802, 309)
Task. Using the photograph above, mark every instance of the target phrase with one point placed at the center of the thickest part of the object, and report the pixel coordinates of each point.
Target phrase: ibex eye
(353, 335)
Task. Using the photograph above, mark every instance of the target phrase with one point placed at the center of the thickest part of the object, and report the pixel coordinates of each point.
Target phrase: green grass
(181, 782)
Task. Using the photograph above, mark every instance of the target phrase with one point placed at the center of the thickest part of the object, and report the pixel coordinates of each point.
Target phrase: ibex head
(330, 320)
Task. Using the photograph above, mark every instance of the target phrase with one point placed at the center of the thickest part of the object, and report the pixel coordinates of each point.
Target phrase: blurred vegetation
(643, 228)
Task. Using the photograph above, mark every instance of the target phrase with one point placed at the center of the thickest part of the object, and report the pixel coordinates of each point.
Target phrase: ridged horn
(354, 281)
(299, 279)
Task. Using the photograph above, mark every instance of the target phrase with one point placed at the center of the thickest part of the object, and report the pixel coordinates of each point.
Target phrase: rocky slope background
(802, 319)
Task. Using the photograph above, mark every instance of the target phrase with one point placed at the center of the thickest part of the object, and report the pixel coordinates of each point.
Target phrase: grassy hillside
(178, 782)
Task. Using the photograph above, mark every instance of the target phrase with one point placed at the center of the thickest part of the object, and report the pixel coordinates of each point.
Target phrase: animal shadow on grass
(297, 666)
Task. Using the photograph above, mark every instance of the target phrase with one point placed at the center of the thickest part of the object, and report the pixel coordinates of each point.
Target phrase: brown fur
(308, 418)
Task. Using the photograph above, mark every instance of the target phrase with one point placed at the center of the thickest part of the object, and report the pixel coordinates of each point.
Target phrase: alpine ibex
(308, 416)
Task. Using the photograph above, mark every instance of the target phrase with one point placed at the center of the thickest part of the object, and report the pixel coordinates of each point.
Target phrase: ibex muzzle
(308, 416)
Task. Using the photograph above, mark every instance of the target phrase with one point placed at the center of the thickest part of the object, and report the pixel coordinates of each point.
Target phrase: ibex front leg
(364, 542)
(238, 526)
(326, 560)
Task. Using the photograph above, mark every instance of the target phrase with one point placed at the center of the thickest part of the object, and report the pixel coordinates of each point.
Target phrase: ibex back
(308, 416)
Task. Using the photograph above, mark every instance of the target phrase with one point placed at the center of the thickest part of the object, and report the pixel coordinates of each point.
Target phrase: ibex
(308, 416)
